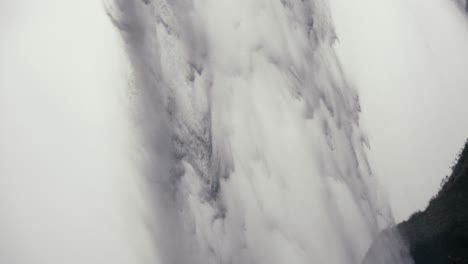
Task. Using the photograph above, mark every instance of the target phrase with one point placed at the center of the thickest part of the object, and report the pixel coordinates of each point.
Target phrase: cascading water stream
(251, 134)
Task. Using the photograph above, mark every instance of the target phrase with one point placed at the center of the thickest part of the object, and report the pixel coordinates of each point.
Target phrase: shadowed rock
(439, 234)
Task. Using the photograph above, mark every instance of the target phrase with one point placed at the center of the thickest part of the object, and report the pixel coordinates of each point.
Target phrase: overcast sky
(409, 61)
(67, 188)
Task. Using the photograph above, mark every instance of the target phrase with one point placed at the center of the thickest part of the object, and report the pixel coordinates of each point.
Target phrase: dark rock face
(439, 234)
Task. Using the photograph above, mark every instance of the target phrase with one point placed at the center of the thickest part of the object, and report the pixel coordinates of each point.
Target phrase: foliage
(439, 234)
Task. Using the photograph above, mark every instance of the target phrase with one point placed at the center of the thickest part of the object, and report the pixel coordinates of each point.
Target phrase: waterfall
(224, 131)
(252, 148)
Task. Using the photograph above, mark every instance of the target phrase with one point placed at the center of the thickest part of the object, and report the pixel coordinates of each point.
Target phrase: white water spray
(251, 133)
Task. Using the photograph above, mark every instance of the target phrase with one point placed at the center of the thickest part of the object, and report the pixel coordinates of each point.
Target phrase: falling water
(253, 149)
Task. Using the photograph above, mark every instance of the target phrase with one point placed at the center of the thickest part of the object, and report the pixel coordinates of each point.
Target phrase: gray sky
(67, 189)
(408, 59)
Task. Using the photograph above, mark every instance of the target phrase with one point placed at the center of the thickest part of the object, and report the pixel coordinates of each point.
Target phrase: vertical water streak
(251, 133)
